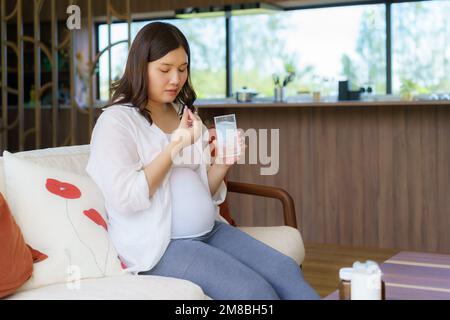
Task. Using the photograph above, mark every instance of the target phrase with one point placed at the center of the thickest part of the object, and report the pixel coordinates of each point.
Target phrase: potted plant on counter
(280, 85)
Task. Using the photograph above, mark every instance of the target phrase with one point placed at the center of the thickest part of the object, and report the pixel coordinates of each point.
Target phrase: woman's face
(167, 75)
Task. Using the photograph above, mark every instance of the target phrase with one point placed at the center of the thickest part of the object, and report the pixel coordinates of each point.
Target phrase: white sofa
(74, 158)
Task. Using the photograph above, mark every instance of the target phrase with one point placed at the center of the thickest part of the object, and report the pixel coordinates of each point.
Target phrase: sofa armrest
(290, 218)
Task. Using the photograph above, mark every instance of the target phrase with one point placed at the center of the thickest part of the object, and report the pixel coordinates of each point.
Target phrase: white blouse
(122, 143)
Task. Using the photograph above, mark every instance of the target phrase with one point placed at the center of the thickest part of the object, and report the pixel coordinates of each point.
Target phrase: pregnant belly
(193, 212)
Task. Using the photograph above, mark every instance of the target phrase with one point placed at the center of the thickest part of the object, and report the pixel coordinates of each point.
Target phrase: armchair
(269, 192)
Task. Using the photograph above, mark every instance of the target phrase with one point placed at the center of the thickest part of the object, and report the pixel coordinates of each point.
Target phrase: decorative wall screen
(48, 73)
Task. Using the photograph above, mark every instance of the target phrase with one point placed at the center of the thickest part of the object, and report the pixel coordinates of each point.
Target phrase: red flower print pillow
(62, 214)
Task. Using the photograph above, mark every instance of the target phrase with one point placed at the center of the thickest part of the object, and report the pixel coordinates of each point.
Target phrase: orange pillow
(16, 257)
(224, 208)
(37, 255)
(16, 261)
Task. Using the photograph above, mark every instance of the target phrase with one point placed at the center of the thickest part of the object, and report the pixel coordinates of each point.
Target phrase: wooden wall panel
(414, 176)
(330, 191)
(370, 141)
(429, 176)
(443, 178)
(401, 205)
(363, 176)
(385, 196)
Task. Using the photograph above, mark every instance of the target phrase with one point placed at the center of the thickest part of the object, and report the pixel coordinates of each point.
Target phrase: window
(323, 45)
(206, 39)
(421, 47)
(119, 31)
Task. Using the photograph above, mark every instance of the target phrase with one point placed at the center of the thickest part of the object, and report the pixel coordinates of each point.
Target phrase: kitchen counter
(268, 103)
(232, 103)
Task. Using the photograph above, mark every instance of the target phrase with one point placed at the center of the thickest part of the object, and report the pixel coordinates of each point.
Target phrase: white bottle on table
(366, 281)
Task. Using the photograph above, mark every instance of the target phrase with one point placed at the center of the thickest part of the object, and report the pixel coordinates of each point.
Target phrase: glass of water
(227, 136)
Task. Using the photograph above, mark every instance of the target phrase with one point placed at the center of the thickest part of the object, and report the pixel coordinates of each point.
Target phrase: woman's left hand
(222, 158)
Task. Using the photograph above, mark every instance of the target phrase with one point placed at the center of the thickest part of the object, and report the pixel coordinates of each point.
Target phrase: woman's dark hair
(152, 42)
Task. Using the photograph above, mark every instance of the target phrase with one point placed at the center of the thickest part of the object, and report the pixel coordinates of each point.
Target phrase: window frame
(229, 36)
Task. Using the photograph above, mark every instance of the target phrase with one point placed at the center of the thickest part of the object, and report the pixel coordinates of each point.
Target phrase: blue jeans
(228, 264)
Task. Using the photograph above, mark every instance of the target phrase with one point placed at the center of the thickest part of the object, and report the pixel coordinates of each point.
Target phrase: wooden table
(415, 276)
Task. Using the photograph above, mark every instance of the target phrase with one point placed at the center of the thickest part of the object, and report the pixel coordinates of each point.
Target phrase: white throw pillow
(71, 158)
(62, 215)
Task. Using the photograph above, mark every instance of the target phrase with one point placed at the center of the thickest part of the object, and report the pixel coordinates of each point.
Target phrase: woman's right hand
(189, 130)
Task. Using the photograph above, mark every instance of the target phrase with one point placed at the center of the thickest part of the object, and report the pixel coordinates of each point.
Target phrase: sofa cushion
(62, 215)
(127, 287)
(285, 239)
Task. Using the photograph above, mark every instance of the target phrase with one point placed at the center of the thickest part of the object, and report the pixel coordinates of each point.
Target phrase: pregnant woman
(151, 159)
